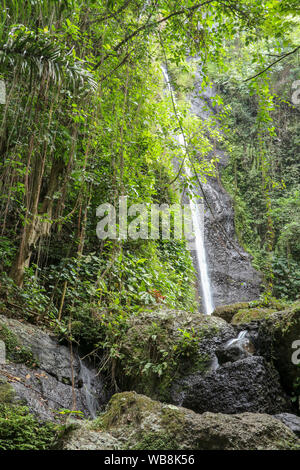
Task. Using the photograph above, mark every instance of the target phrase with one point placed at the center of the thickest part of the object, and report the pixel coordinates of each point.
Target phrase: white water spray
(198, 224)
(239, 341)
(92, 402)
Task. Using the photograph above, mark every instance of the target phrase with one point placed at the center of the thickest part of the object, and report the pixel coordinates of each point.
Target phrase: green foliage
(87, 120)
(7, 252)
(260, 176)
(287, 277)
(34, 53)
(147, 354)
(145, 275)
(19, 430)
(31, 302)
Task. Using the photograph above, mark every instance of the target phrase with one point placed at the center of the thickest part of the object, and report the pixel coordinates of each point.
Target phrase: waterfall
(241, 340)
(198, 224)
(92, 401)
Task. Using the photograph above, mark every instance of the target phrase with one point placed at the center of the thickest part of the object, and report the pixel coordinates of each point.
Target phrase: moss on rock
(246, 315)
(245, 312)
(137, 422)
(226, 312)
(284, 330)
(161, 345)
(279, 329)
(7, 393)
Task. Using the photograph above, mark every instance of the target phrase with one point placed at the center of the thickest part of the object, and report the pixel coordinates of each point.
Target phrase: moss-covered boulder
(162, 345)
(245, 312)
(247, 315)
(136, 422)
(226, 312)
(284, 330)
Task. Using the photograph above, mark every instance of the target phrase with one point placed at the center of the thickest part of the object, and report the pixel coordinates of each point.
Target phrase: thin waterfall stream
(92, 400)
(197, 211)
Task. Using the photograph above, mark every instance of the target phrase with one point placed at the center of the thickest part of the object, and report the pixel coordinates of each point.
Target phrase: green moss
(173, 420)
(226, 312)
(157, 349)
(269, 302)
(125, 408)
(19, 430)
(15, 352)
(7, 392)
(154, 441)
(251, 314)
(286, 445)
(288, 320)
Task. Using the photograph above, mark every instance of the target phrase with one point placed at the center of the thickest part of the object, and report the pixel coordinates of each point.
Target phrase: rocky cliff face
(45, 385)
(233, 279)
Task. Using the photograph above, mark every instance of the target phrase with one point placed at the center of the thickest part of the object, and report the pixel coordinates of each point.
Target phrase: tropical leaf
(39, 53)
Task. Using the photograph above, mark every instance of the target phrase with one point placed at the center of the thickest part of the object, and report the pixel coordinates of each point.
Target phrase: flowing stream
(197, 211)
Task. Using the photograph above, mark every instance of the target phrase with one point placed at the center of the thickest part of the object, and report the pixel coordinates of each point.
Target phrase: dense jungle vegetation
(86, 120)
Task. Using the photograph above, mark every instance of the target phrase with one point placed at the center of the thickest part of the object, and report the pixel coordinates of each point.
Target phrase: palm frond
(39, 53)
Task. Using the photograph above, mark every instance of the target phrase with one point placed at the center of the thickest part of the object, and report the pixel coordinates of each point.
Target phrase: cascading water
(239, 341)
(92, 402)
(243, 342)
(198, 224)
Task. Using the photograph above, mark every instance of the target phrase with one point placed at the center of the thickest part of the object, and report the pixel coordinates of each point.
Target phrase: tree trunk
(37, 224)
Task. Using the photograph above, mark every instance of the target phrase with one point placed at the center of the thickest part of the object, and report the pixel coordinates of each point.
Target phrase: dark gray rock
(291, 421)
(53, 356)
(247, 385)
(235, 353)
(236, 349)
(47, 388)
(212, 333)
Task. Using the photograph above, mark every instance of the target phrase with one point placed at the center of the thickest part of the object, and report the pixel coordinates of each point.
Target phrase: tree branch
(149, 25)
(273, 63)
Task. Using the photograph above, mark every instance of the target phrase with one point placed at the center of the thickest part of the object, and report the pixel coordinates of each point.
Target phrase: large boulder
(277, 332)
(136, 422)
(161, 345)
(284, 331)
(248, 315)
(227, 312)
(245, 385)
(45, 375)
(183, 358)
(245, 312)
